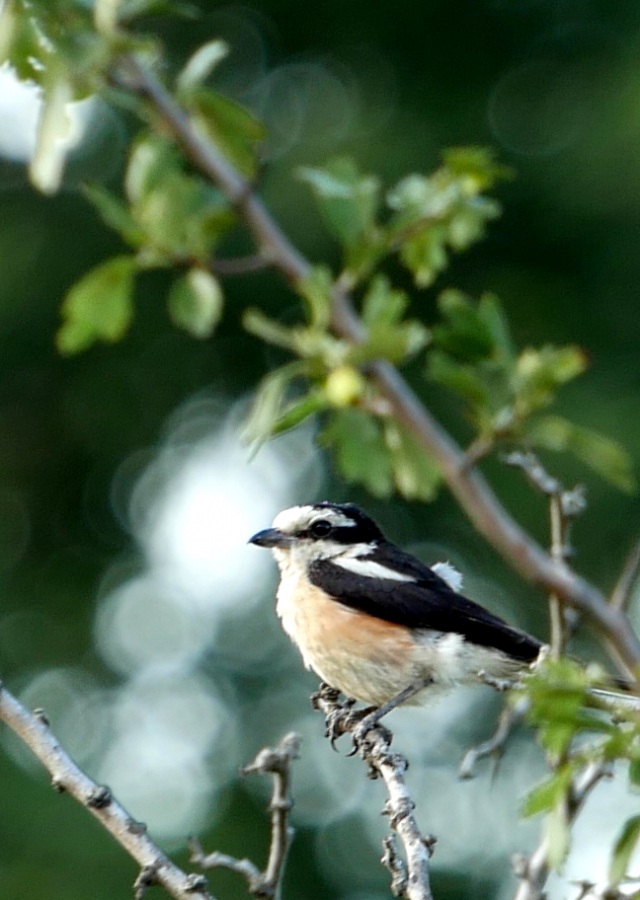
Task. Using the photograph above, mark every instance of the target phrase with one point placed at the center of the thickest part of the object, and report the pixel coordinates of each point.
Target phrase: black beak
(271, 537)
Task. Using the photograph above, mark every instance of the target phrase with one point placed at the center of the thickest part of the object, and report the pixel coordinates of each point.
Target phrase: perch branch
(469, 487)
(155, 867)
(410, 878)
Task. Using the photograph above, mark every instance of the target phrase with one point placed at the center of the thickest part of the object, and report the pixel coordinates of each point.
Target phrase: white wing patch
(449, 574)
(368, 568)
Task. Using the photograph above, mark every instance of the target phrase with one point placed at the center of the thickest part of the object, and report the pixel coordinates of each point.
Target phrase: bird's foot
(367, 719)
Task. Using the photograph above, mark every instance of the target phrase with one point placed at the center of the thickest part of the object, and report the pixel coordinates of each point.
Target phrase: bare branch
(410, 879)
(155, 867)
(493, 746)
(275, 761)
(469, 487)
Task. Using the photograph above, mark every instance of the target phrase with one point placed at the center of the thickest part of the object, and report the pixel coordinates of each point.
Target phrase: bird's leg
(372, 718)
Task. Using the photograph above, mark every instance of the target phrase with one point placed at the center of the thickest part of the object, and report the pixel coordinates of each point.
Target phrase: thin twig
(469, 487)
(275, 761)
(621, 593)
(410, 879)
(155, 867)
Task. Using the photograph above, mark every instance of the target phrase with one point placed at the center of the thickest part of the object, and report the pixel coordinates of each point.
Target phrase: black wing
(426, 602)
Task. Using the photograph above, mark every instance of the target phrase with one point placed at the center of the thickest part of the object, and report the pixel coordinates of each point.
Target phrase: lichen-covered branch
(155, 867)
(409, 876)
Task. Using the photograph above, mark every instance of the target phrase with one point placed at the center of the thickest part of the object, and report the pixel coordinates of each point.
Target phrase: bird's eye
(321, 528)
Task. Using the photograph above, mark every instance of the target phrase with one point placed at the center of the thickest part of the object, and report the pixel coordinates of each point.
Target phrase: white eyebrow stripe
(449, 574)
(368, 568)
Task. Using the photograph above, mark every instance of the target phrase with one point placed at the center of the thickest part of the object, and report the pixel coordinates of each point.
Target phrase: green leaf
(558, 836)
(195, 302)
(415, 474)
(466, 331)
(99, 307)
(54, 127)
(539, 373)
(255, 322)
(296, 413)
(634, 772)
(269, 402)
(476, 166)
(230, 126)
(492, 315)
(150, 162)
(425, 255)
(360, 450)
(347, 198)
(464, 380)
(602, 454)
(623, 850)
(316, 289)
(550, 794)
(382, 304)
(200, 65)
(114, 213)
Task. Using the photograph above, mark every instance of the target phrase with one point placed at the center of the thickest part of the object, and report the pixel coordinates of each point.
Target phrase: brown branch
(155, 867)
(277, 762)
(410, 878)
(468, 486)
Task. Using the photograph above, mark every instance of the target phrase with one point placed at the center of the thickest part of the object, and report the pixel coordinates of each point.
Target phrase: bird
(376, 623)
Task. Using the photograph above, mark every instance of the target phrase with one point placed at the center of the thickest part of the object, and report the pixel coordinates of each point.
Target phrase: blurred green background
(131, 608)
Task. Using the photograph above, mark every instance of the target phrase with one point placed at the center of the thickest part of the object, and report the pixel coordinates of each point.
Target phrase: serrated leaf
(347, 198)
(602, 454)
(415, 474)
(114, 213)
(195, 302)
(624, 847)
(360, 450)
(99, 307)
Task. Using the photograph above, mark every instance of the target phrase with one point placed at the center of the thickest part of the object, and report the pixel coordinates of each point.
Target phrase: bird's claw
(369, 719)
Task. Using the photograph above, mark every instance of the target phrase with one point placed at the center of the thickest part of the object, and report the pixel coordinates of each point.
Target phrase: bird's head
(320, 531)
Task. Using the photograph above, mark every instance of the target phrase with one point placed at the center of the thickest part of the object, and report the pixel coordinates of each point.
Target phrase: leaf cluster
(582, 728)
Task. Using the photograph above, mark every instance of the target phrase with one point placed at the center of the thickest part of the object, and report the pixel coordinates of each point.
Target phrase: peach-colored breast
(364, 657)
